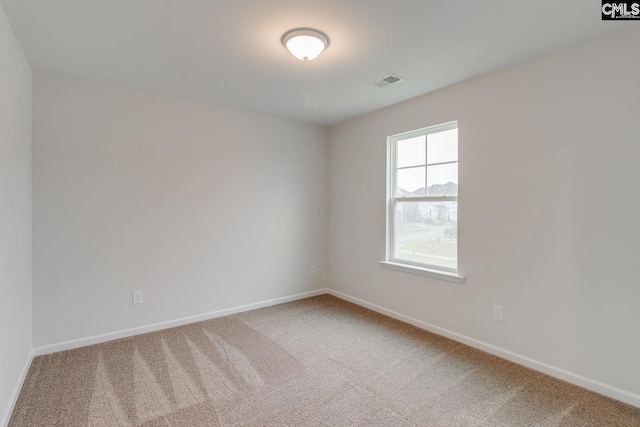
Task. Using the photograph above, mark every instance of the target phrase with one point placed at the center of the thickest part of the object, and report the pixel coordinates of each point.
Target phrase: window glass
(442, 180)
(410, 180)
(412, 151)
(426, 233)
(442, 147)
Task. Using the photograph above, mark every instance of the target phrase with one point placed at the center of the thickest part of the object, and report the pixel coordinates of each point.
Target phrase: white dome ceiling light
(305, 43)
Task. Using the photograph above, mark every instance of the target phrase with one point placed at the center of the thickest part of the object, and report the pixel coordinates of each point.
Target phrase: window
(422, 229)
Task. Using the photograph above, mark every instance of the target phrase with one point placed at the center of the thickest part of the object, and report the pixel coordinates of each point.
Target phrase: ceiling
(228, 52)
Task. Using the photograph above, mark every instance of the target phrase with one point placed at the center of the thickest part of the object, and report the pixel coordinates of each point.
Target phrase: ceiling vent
(388, 80)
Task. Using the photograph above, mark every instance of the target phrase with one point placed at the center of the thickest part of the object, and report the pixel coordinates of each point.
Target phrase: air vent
(387, 80)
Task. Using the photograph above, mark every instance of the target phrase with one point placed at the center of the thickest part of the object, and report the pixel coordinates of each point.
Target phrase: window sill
(422, 271)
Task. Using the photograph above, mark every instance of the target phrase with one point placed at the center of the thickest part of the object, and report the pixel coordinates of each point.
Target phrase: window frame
(391, 262)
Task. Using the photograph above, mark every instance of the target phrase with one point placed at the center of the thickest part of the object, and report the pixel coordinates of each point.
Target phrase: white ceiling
(228, 52)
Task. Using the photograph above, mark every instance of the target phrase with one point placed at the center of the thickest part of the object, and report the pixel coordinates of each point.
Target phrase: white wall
(549, 207)
(201, 207)
(15, 215)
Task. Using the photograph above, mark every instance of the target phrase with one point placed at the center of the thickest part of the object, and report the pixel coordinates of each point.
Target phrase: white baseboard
(96, 339)
(579, 380)
(16, 391)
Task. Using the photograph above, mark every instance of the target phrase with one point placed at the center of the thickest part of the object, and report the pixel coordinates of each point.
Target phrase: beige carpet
(315, 362)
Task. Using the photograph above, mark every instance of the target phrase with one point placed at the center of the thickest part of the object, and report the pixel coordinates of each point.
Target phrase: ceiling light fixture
(305, 43)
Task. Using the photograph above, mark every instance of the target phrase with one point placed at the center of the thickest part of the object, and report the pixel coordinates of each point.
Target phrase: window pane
(442, 180)
(409, 181)
(442, 146)
(411, 152)
(427, 233)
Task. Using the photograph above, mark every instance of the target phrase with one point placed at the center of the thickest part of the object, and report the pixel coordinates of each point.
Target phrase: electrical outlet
(137, 297)
(497, 313)
(313, 270)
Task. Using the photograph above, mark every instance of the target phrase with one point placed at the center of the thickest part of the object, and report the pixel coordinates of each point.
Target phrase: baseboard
(570, 377)
(16, 391)
(96, 339)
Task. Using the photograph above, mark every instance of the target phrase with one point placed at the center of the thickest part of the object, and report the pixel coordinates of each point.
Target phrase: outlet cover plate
(497, 313)
(136, 297)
